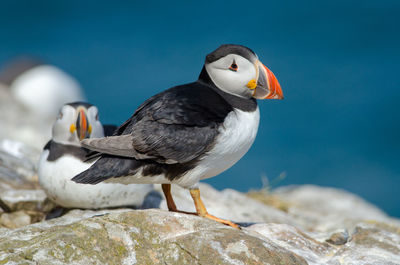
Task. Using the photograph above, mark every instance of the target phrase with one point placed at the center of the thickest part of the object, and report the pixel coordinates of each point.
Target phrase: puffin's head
(75, 122)
(236, 69)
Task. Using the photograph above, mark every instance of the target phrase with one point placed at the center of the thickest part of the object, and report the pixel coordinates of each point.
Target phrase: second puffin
(63, 157)
(189, 132)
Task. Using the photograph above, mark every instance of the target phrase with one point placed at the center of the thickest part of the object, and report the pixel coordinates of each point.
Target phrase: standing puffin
(63, 157)
(189, 132)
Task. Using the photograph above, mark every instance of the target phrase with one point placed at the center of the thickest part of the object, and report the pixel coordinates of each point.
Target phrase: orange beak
(268, 86)
(82, 125)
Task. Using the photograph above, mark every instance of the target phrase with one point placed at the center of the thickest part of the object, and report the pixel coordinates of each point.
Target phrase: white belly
(235, 138)
(55, 179)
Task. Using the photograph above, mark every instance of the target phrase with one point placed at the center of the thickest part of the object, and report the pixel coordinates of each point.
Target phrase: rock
(15, 219)
(159, 237)
(290, 238)
(20, 195)
(138, 237)
(320, 209)
(34, 200)
(18, 162)
(371, 243)
(339, 238)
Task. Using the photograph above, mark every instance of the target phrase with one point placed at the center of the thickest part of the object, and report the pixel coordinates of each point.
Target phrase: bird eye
(234, 67)
(97, 117)
(60, 115)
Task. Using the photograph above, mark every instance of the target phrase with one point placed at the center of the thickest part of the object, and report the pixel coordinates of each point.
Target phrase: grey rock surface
(327, 209)
(156, 236)
(15, 219)
(138, 237)
(21, 199)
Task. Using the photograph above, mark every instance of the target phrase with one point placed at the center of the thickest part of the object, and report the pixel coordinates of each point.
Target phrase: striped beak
(83, 128)
(268, 86)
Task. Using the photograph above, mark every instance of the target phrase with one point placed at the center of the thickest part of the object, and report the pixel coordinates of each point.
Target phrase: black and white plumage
(63, 157)
(189, 132)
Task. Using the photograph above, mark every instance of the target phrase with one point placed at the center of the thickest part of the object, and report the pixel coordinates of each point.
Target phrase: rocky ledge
(291, 225)
(155, 236)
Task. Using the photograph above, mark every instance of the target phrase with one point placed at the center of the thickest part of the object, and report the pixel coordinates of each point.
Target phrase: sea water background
(337, 62)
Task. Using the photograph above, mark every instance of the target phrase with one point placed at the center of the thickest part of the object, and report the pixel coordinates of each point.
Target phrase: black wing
(175, 126)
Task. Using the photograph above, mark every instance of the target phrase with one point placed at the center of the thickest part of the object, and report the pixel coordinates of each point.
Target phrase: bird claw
(222, 221)
(211, 217)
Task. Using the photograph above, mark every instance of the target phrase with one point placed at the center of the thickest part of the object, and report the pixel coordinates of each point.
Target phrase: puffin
(41, 88)
(63, 158)
(189, 132)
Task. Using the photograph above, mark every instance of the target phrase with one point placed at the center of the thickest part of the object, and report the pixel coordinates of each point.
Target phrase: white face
(65, 129)
(232, 74)
(97, 127)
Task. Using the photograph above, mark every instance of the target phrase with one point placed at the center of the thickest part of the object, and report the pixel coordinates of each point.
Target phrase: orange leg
(168, 196)
(200, 208)
(170, 201)
(202, 211)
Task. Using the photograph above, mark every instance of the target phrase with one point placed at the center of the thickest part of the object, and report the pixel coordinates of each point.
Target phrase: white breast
(55, 179)
(235, 138)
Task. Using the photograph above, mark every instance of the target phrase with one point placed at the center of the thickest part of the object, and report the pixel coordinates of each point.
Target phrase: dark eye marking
(234, 67)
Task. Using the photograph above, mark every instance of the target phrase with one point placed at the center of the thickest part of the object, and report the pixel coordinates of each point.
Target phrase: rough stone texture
(339, 238)
(160, 237)
(31, 200)
(371, 243)
(21, 199)
(321, 209)
(17, 164)
(15, 219)
(138, 237)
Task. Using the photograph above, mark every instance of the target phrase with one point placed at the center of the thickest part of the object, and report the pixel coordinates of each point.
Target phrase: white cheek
(97, 130)
(61, 128)
(232, 82)
(92, 112)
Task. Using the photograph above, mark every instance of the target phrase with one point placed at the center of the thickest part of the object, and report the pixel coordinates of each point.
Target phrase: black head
(226, 49)
(235, 69)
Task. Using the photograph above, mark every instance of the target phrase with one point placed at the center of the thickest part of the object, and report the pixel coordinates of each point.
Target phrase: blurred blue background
(337, 62)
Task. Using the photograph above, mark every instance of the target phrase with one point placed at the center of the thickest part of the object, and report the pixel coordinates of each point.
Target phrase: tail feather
(107, 167)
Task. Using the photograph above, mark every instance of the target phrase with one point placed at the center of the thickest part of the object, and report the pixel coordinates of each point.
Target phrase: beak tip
(275, 89)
